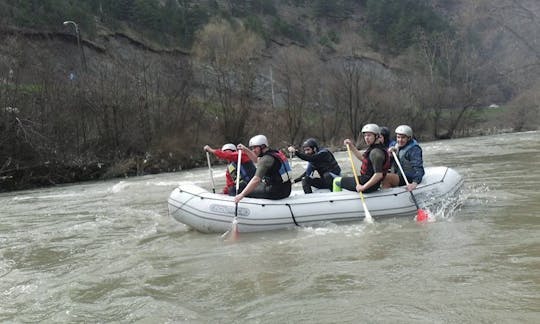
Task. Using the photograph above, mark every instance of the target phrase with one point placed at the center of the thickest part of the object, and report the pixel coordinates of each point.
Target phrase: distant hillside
(144, 84)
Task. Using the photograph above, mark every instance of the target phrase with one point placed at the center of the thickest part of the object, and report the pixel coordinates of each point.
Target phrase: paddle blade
(367, 214)
(422, 216)
(235, 234)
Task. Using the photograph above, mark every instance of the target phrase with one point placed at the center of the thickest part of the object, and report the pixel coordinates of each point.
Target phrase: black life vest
(279, 172)
(367, 167)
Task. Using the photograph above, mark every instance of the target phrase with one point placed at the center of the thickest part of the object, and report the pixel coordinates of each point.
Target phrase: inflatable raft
(207, 212)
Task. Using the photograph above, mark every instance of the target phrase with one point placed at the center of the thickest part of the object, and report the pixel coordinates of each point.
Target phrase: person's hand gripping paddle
(367, 214)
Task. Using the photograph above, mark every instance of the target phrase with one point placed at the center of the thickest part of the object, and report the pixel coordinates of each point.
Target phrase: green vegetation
(168, 20)
(392, 23)
(396, 23)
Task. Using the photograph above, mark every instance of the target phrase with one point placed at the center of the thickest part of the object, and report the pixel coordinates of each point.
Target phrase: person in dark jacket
(320, 160)
(409, 154)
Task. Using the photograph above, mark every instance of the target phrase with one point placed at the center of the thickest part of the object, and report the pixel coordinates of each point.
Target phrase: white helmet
(371, 128)
(404, 130)
(229, 146)
(258, 140)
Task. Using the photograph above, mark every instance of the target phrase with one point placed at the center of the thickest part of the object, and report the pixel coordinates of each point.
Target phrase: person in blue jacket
(320, 160)
(409, 154)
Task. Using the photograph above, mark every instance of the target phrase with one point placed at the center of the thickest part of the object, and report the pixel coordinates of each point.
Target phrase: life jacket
(405, 158)
(328, 165)
(279, 172)
(247, 171)
(367, 167)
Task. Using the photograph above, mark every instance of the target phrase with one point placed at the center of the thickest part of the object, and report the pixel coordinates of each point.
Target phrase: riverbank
(56, 173)
(15, 177)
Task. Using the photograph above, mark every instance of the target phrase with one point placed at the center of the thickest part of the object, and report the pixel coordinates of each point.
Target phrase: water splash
(119, 187)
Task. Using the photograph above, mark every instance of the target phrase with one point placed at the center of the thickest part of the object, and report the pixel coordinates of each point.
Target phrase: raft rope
(292, 215)
(182, 205)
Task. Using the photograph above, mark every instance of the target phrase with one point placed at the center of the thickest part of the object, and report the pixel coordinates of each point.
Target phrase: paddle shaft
(405, 178)
(211, 172)
(238, 166)
(366, 211)
(234, 232)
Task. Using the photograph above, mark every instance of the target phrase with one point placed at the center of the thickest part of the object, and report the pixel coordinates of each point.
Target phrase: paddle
(421, 215)
(234, 232)
(211, 172)
(367, 214)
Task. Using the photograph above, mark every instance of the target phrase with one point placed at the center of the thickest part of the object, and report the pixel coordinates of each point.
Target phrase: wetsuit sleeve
(302, 156)
(264, 164)
(377, 157)
(317, 157)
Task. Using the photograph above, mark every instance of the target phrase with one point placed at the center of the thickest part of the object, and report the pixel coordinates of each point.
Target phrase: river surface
(109, 252)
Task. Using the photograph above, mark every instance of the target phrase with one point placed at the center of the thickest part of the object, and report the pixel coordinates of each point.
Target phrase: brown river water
(108, 251)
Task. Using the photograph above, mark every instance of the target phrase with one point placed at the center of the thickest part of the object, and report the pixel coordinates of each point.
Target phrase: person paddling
(320, 160)
(271, 179)
(247, 167)
(375, 162)
(409, 154)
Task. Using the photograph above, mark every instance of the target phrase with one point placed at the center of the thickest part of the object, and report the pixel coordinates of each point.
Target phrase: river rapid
(109, 252)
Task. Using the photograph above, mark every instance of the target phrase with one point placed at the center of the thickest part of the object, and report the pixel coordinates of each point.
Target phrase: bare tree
(453, 80)
(228, 57)
(355, 89)
(296, 85)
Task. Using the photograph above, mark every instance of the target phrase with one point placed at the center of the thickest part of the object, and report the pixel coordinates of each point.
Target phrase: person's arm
(301, 155)
(417, 165)
(354, 150)
(226, 155)
(209, 149)
(375, 178)
(262, 167)
(300, 177)
(253, 183)
(248, 152)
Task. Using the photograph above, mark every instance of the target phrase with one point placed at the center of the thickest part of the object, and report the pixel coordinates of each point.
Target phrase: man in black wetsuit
(320, 160)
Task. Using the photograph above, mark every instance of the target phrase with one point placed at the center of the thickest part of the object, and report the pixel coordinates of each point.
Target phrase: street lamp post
(79, 45)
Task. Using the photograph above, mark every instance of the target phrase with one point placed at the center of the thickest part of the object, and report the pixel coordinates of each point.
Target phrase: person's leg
(391, 180)
(348, 183)
(232, 189)
(318, 183)
(328, 179)
(271, 192)
(280, 191)
(306, 185)
(261, 191)
(336, 184)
